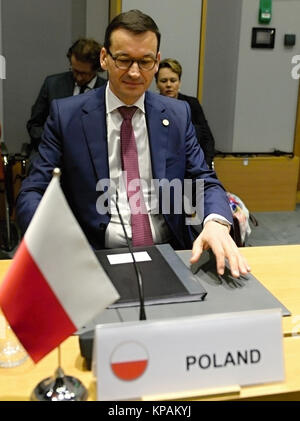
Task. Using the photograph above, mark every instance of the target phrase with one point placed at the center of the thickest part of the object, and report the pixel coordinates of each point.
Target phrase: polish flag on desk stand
(55, 283)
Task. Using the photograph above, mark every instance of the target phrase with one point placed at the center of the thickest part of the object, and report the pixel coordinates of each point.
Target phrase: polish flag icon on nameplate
(129, 361)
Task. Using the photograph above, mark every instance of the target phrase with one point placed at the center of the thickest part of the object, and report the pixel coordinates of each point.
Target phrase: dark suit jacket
(203, 131)
(75, 139)
(54, 87)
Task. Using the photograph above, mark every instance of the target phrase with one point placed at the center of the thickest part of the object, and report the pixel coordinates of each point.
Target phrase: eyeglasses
(124, 62)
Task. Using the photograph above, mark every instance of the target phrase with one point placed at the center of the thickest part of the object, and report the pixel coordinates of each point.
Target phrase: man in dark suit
(89, 137)
(83, 56)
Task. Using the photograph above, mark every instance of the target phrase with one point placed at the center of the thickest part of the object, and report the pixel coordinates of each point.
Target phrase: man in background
(83, 56)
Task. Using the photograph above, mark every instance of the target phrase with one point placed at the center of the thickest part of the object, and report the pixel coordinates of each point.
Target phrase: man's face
(82, 71)
(130, 84)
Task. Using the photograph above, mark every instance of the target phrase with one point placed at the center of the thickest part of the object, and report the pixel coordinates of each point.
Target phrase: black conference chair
(9, 177)
(7, 229)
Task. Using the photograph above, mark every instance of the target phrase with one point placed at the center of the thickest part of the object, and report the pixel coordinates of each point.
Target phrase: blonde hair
(172, 64)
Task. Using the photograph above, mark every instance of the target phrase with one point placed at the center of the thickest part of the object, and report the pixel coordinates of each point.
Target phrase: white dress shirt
(114, 236)
(89, 86)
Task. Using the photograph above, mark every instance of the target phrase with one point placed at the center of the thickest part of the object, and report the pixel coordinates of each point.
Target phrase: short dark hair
(134, 21)
(170, 63)
(86, 50)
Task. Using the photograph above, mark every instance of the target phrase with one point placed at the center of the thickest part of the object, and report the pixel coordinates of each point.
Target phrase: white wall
(223, 26)
(266, 94)
(97, 18)
(180, 24)
(249, 96)
(36, 36)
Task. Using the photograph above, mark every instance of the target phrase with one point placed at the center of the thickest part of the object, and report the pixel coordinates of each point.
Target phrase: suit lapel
(158, 129)
(99, 82)
(94, 126)
(68, 85)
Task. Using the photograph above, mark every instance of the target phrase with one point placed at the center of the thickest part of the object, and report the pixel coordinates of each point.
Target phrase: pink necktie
(140, 225)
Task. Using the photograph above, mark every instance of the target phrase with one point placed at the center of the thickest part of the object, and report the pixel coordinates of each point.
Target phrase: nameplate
(132, 360)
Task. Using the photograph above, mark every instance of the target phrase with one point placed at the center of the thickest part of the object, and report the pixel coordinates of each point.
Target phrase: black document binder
(166, 279)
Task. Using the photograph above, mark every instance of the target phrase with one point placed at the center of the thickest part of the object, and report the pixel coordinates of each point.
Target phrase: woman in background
(168, 80)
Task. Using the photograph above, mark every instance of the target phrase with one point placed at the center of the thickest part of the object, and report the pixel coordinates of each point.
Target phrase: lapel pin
(165, 122)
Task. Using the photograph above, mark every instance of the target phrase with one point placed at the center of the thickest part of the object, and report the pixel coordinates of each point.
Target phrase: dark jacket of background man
(84, 52)
(54, 87)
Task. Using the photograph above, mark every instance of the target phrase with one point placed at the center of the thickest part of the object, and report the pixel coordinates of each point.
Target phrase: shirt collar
(113, 102)
(91, 83)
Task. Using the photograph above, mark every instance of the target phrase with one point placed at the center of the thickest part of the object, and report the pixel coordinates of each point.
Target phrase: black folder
(166, 279)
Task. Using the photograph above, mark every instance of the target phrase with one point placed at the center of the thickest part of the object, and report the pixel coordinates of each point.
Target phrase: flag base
(60, 388)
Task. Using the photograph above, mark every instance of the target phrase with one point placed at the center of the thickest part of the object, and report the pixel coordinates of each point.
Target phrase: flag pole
(59, 356)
